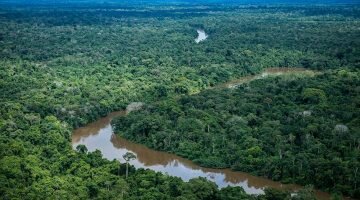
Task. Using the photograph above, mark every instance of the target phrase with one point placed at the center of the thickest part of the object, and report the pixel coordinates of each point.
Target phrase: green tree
(128, 156)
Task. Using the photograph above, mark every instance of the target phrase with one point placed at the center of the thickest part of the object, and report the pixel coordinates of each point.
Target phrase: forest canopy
(63, 67)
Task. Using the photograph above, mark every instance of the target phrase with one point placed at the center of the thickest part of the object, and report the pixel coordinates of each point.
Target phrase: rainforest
(97, 96)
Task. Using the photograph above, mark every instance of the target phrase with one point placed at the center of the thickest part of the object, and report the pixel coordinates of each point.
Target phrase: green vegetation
(294, 129)
(63, 67)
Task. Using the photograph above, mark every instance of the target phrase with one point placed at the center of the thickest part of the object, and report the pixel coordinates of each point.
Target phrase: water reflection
(99, 135)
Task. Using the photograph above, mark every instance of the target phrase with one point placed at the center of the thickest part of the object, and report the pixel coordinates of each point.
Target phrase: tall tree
(128, 156)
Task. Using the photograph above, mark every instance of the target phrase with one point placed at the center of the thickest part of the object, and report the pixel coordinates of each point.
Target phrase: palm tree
(128, 156)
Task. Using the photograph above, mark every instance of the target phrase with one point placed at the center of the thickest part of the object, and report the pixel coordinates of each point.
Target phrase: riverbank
(262, 128)
(99, 135)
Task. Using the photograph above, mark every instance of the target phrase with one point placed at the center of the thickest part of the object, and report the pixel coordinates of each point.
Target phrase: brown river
(99, 135)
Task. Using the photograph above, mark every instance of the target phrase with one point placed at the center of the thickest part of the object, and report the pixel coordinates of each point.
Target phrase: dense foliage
(62, 67)
(294, 129)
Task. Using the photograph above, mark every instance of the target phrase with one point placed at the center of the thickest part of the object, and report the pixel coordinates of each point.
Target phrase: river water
(100, 135)
(274, 71)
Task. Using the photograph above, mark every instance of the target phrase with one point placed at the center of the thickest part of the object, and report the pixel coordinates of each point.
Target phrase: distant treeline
(192, 2)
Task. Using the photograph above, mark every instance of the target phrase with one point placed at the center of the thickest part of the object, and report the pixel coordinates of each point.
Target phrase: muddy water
(275, 71)
(100, 135)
